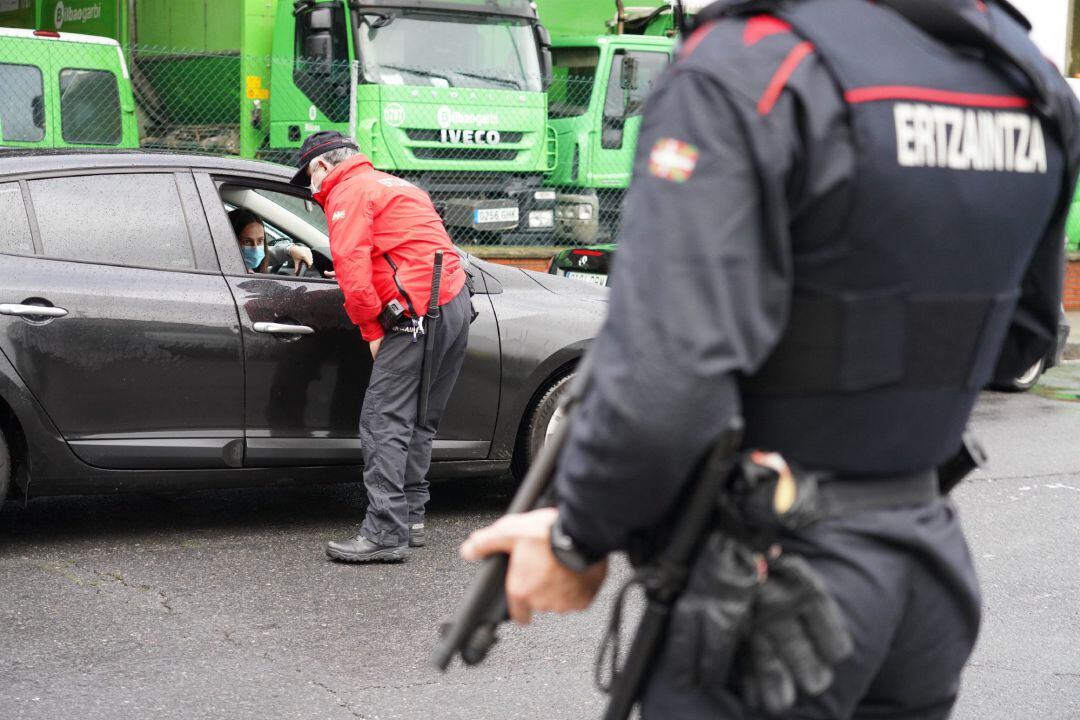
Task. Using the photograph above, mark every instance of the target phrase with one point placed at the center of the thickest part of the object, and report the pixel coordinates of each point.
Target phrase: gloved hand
(796, 638)
(710, 619)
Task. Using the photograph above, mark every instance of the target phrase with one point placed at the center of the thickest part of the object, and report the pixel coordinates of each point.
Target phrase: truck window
(626, 95)
(15, 230)
(322, 60)
(134, 219)
(90, 107)
(22, 112)
(573, 74)
(450, 51)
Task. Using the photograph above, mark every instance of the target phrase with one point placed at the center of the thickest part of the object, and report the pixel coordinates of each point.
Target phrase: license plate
(594, 278)
(495, 215)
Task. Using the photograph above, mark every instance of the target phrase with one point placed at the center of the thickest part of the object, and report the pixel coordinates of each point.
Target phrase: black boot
(360, 549)
(416, 535)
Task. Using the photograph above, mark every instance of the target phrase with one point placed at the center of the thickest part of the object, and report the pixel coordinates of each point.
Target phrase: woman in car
(260, 257)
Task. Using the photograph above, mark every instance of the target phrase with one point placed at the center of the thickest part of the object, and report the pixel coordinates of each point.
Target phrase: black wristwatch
(567, 552)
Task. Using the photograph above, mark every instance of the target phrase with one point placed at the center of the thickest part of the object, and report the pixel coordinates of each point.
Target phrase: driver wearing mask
(258, 256)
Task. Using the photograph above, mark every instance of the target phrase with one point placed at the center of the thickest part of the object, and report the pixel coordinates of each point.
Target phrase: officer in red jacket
(384, 233)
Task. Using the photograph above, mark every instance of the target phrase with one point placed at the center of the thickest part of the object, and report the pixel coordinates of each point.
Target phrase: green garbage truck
(448, 93)
(606, 59)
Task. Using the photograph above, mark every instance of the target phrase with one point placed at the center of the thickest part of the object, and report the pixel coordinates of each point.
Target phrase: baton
(429, 337)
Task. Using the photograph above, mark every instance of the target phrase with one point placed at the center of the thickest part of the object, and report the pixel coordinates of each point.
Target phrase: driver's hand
(329, 274)
(301, 256)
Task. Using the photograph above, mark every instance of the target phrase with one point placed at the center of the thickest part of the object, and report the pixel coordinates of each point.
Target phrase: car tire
(1027, 379)
(543, 417)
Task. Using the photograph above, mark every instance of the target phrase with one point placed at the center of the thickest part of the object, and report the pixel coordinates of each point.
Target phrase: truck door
(94, 105)
(631, 77)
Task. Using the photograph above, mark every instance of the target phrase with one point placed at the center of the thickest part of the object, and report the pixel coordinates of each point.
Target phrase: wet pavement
(221, 604)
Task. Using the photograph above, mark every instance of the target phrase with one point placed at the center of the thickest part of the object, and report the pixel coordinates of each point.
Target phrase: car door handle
(283, 329)
(39, 311)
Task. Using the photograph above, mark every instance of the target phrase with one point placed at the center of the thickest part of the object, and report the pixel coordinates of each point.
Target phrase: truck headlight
(544, 195)
(541, 218)
(584, 212)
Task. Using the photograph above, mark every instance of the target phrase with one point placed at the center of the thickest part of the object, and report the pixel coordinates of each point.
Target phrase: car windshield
(449, 51)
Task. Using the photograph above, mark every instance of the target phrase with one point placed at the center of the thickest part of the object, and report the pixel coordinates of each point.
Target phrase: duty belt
(846, 496)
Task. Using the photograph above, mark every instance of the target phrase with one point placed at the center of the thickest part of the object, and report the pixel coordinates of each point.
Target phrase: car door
(119, 322)
(307, 366)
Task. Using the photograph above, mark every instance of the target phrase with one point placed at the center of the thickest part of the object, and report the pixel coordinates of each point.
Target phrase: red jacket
(373, 215)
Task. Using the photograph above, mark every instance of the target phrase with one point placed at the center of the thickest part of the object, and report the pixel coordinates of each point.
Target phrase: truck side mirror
(321, 19)
(628, 77)
(319, 50)
(543, 37)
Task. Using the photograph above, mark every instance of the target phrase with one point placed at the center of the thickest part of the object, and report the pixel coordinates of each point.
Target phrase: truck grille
(464, 153)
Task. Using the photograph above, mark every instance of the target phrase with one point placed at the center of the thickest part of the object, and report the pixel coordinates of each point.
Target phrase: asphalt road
(222, 605)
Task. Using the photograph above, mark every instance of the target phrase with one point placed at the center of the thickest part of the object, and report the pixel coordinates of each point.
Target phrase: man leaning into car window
(384, 236)
(260, 257)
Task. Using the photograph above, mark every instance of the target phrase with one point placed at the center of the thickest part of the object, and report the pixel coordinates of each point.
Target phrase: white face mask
(317, 165)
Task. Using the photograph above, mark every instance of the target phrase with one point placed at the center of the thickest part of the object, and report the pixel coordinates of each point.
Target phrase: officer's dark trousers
(397, 444)
(904, 581)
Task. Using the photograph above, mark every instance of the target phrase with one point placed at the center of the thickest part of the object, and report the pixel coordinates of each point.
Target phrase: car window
(131, 219)
(15, 229)
(306, 210)
(90, 107)
(22, 110)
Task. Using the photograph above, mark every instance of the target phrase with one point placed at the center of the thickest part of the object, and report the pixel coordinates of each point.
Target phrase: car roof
(15, 162)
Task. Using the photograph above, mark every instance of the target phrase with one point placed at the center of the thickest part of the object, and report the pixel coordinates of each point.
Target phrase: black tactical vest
(897, 322)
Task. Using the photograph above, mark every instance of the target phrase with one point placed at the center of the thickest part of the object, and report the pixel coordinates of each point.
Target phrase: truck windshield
(449, 51)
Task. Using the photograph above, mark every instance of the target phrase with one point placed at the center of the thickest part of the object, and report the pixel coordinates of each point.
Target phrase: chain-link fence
(501, 168)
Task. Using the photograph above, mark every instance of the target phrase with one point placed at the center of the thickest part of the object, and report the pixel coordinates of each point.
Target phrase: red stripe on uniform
(760, 27)
(781, 76)
(695, 39)
(910, 92)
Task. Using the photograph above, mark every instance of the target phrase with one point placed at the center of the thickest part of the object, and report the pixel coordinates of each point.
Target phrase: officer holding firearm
(385, 236)
(846, 218)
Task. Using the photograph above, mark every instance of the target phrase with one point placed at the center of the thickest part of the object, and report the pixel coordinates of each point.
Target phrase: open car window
(285, 218)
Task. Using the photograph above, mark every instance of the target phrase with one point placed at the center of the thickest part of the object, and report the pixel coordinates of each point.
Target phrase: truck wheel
(542, 420)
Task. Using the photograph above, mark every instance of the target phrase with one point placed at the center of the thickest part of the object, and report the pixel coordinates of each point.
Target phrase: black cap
(314, 146)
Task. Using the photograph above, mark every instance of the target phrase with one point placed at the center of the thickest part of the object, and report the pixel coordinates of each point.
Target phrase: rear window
(90, 107)
(134, 219)
(22, 111)
(15, 228)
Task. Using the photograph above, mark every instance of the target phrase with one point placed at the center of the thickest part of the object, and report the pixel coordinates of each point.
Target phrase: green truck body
(70, 91)
(460, 108)
(600, 79)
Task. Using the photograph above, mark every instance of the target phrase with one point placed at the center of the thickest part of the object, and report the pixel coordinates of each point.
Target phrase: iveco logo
(470, 137)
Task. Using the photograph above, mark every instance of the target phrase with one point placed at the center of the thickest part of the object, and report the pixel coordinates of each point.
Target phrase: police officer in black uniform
(846, 218)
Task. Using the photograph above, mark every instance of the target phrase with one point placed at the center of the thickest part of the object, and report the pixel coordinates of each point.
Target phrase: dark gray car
(136, 351)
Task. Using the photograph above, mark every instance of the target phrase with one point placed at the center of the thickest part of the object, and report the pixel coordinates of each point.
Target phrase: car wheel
(1027, 379)
(543, 418)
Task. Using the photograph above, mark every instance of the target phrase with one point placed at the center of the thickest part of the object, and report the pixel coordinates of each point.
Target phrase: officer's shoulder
(747, 54)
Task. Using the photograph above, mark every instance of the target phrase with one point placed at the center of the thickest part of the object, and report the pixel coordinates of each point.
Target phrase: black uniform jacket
(703, 280)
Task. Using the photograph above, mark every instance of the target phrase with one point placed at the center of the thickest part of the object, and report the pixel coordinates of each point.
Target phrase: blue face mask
(253, 256)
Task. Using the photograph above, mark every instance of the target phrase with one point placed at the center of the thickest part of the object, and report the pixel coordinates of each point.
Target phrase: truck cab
(598, 90)
(63, 90)
(447, 93)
